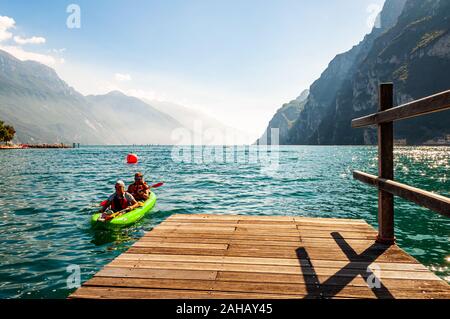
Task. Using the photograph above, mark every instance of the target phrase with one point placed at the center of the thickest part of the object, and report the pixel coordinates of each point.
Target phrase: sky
(237, 60)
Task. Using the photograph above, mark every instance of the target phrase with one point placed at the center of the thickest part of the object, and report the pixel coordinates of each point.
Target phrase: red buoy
(132, 158)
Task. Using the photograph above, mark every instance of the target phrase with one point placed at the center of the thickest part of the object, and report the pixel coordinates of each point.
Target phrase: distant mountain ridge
(132, 120)
(44, 109)
(410, 48)
(204, 129)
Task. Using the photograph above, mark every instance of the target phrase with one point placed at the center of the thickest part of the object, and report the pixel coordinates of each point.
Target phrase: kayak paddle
(157, 185)
(116, 214)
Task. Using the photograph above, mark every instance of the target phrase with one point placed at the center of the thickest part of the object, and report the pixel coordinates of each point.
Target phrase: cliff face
(411, 49)
(283, 120)
(415, 55)
(326, 92)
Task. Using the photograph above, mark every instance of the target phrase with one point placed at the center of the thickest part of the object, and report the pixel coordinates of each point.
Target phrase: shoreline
(64, 146)
(35, 146)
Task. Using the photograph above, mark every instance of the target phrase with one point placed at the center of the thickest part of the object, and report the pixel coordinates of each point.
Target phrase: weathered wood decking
(217, 256)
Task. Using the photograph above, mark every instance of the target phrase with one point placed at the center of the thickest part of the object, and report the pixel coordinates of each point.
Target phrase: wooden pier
(226, 256)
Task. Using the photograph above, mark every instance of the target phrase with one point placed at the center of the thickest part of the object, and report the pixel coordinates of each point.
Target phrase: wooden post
(386, 168)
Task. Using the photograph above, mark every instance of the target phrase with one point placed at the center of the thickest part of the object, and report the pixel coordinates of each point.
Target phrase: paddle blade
(104, 203)
(157, 185)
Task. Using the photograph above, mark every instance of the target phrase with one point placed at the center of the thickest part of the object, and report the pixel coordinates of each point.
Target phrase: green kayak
(125, 219)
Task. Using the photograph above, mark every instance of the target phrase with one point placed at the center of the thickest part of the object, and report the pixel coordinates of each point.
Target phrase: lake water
(47, 197)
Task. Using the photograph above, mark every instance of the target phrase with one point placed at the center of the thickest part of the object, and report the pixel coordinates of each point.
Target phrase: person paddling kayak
(139, 189)
(120, 201)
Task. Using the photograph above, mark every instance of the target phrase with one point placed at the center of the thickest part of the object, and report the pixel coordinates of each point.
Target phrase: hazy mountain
(43, 108)
(412, 49)
(132, 120)
(205, 129)
(283, 120)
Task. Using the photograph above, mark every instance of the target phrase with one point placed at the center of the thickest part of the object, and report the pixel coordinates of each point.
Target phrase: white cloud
(24, 55)
(122, 77)
(32, 40)
(6, 23)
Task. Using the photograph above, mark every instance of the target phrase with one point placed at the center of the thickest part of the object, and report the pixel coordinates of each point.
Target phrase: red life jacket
(119, 204)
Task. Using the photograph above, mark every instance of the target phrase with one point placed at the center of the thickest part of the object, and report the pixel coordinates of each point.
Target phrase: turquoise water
(47, 197)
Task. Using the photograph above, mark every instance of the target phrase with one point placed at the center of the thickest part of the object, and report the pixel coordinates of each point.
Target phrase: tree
(7, 132)
(2, 131)
(10, 132)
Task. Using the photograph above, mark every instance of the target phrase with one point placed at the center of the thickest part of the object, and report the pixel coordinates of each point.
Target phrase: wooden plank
(433, 103)
(139, 293)
(157, 273)
(201, 229)
(316, 253)
(435, 202)
(146, 241)
(241, 236)
(364, 265)
(232, 217)
(179, 245)
(422, 285)
(344, 234)
(176, 251)
(336, 241)
(176, 239)
(330, 221)
(335, 227)
(155, 283)
(303, 228)
(325, 273)
(210, 266)
(265, 222)
(278, 227)
(201, 221)
(257, 231)
(215, 259)
(189, 236)
(177, 224)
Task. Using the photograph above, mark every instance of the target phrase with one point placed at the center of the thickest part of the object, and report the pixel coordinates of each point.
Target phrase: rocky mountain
(43, 108)
(415, 55)
(410, 47)
(283, 120)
